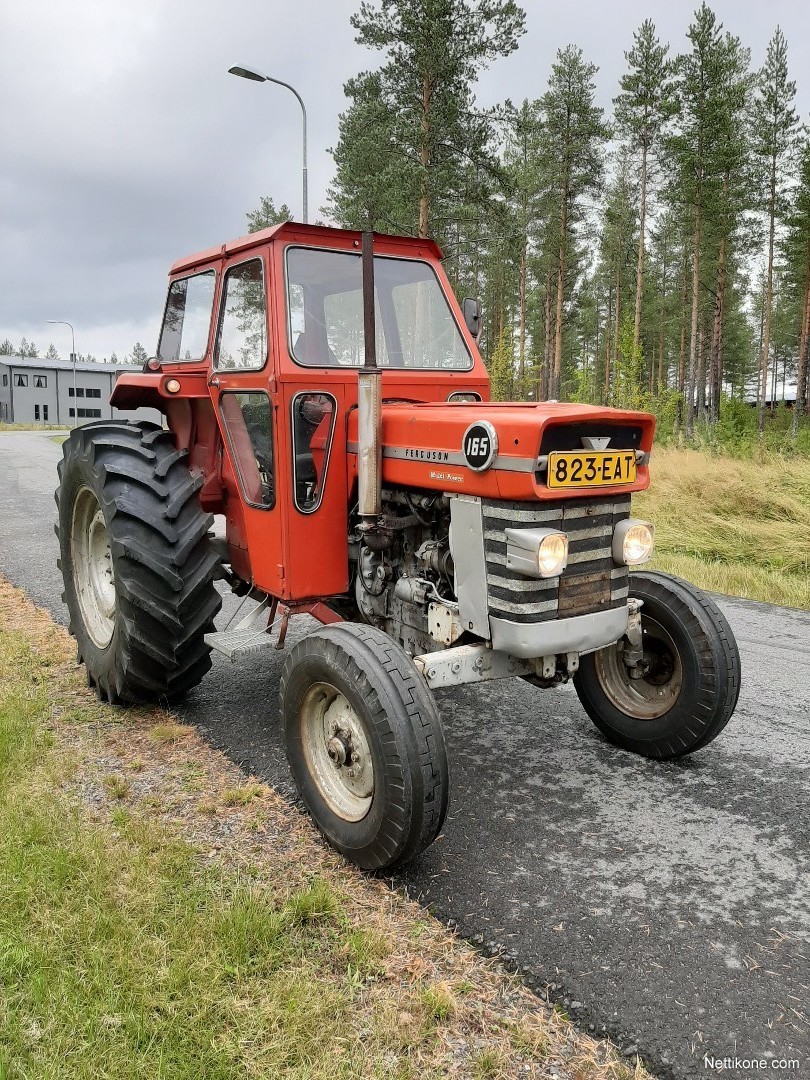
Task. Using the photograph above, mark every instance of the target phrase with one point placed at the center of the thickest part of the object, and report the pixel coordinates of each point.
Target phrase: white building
(39, 391)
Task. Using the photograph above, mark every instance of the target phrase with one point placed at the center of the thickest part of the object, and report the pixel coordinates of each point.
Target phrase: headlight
(536, 553)
(552, 555)
(633, 542)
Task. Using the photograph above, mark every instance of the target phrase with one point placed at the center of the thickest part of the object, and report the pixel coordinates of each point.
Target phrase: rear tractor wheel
(136, 562)
(684, 690)
(365, 744)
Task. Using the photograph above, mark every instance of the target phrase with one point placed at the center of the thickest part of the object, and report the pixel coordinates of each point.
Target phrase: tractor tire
(136, 562)
(690, 690)
(365, 744)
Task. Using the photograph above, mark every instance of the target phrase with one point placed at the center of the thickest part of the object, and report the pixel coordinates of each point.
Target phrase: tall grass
(732, 525)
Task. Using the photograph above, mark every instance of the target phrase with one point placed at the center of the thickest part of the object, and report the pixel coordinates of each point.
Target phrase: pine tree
(51, 354)
(797, 262)
(572, 139)
(267, 215)
(376, 182)
(139, 354)
(698, 80)
(525, 209)
(502, 367)
(426, 129)
(6, 348)
(776, 127)
(642, 110)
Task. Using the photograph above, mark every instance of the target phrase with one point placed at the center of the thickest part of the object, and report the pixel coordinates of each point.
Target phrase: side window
(242, 333)
(248, 423)
(21, 380)
(313, 423)
(187, 319)
(40, 381)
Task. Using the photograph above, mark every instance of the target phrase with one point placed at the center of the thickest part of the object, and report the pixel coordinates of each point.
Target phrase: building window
(71, 412)
(78, 392)
(40, 381)
(87, 414)
(5, 380)
(36, 412)
(45, 413)
(21, 380)
(92, 392)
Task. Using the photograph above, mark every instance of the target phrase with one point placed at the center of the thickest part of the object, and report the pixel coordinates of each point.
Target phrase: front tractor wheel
(136, 562)
(685, 689)
(365, 744)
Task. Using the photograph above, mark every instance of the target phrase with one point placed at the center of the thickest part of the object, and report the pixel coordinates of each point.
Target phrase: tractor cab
(259, 350)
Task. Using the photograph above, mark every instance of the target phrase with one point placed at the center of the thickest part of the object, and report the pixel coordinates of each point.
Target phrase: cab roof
(317, 235)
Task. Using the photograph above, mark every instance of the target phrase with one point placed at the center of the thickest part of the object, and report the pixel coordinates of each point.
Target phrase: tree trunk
(548, 343)
(701, 375)
(693, 339)
(555, 379)
(801, 375)
(616, 323)
(766, 341)
(608, 339)
(522, 322)
(715, 365)
(640, 252)
(424, 161)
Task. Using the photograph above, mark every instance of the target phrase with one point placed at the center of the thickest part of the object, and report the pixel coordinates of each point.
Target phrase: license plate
(603, 468)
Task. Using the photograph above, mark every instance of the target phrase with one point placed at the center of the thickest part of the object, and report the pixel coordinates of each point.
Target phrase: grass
(141, 936)
(33, 427)
(732, 525)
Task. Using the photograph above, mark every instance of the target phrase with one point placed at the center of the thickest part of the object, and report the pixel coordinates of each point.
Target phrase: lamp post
(61, 322)
(256, 76)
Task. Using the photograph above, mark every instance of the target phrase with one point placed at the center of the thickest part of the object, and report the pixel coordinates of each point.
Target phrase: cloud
(125, 144)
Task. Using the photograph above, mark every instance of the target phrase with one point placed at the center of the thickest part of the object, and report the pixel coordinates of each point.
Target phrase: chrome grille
(591, 581)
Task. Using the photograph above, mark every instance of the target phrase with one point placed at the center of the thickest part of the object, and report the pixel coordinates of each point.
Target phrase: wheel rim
(93, 578)
(654, 694)
(337, 752)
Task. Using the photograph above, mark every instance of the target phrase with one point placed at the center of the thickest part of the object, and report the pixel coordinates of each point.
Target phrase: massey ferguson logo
(480, 445)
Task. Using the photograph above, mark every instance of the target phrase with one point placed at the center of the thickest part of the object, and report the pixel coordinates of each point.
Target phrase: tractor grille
(590, 582)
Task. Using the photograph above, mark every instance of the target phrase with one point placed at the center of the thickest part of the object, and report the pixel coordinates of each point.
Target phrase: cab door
(244, 395)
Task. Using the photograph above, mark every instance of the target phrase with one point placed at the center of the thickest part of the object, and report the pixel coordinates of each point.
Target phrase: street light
(61, 322)
(256, 76)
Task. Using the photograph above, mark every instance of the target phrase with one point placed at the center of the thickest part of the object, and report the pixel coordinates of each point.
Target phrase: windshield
(415, 326)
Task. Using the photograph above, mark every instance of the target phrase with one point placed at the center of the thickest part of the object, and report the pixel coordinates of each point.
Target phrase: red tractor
(323, 394)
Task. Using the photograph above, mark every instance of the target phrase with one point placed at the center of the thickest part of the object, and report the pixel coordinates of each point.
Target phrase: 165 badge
(480, 445)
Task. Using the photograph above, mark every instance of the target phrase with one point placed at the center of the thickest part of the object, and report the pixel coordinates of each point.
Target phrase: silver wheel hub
(647, 692)
(93, 576)
(337, 752)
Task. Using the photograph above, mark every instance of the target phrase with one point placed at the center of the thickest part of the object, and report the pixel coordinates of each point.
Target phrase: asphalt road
(667, 905)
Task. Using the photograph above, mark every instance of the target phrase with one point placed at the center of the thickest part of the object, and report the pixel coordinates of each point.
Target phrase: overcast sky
(124, 143)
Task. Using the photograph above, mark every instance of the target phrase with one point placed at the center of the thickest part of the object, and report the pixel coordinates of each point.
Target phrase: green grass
(122, 956)
(732, 525)
(34, 427)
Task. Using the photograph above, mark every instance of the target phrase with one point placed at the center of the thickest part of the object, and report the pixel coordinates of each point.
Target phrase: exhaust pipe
(369, 407)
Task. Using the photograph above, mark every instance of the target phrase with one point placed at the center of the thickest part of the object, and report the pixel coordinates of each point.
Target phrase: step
(238, 643)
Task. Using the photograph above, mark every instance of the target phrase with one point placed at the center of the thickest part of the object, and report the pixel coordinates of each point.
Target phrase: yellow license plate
(602, 468)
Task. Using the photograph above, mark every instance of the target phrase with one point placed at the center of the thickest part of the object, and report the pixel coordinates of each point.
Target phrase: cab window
(313, 424)
(187, 318)
(242, 334)
(249, 425)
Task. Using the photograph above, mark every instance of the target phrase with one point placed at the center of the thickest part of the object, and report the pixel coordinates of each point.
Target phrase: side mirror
(471, 309)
